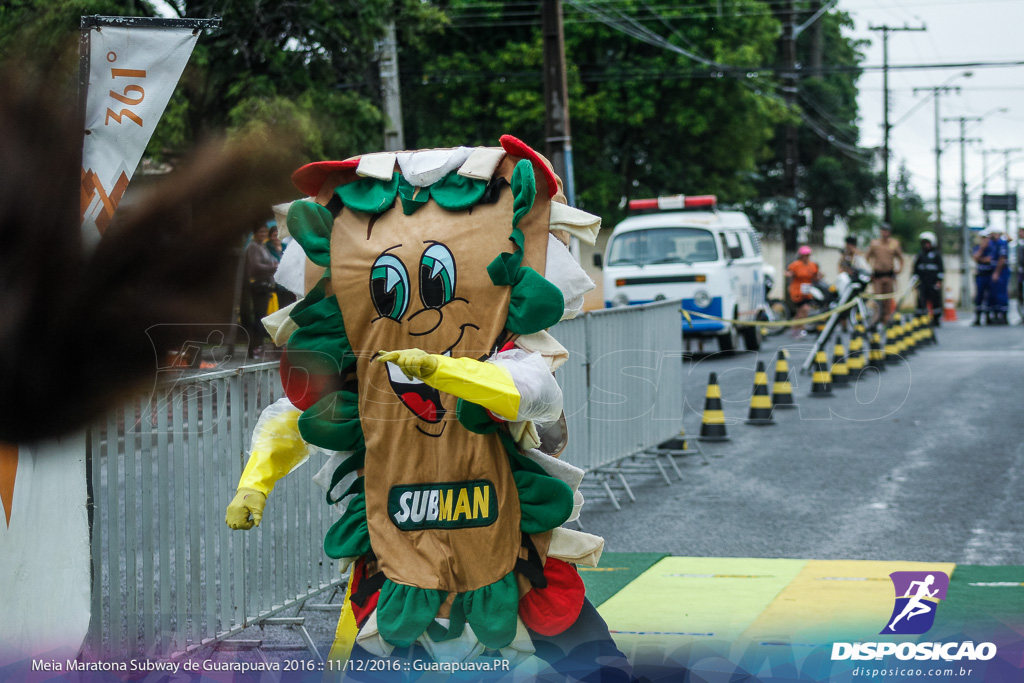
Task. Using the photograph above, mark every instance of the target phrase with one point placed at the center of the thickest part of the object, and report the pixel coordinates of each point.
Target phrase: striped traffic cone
(927, 338)
(760, 401)
(782, 391)
(876, 356)
(712, 422)
(892, 342)
(909, 336)
(840, 372)
(914, 325)
(929, 333)
(855, 359)
(821, 380)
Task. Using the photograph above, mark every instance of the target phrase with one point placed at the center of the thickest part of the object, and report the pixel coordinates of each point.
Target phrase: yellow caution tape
(882, 297)
(778, 323)
(799, 321)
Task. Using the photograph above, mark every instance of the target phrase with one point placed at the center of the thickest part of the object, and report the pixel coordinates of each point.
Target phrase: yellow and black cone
(782, 391)
(909, 336)
(855, 359)
(876, 356)
(712, 422)
(821, 380)
(760, 401)
(892, 342)
(914, 335)
(909, 339)
(925, 325)
(840, 371)
(917, 332)
(927, 333)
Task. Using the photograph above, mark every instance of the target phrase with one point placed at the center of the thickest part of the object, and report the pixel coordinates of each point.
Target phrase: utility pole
(791, 155)
(965, 232)
(558, 138)
(886, 30)
(394, 134)
(984, 179)
(936, 93)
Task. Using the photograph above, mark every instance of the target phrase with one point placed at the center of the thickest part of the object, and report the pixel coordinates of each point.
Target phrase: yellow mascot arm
(485, 384)
(277, 449)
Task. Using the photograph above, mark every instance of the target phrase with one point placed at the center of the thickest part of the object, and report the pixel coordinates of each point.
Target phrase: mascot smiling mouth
(423, 400)
(419, 397)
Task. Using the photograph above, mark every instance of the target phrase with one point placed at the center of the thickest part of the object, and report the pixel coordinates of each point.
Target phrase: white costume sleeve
(540, 397)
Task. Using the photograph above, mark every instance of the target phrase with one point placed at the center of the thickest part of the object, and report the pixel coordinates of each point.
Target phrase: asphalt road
(924, 462)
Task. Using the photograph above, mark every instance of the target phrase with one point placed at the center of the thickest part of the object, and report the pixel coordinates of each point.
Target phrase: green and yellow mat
(652, 601)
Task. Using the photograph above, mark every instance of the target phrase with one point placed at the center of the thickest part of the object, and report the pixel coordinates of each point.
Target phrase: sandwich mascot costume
(419, 362)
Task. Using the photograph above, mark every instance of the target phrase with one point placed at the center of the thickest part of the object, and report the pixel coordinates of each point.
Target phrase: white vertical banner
(44, 550)
(132, 72)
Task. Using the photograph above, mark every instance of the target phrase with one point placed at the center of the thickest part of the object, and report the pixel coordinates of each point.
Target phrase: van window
(662, 245)
(755, 236)
(748, 247)
(732, 245)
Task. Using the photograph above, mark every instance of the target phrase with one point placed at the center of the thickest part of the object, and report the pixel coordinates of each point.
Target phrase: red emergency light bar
(674, 203)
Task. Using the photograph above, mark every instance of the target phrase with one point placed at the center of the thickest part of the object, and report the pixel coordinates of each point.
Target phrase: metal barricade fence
(168, 573)
(623, 382)
(170, 576)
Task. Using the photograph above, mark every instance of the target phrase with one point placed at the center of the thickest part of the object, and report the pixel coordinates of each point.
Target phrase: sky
(957, 31)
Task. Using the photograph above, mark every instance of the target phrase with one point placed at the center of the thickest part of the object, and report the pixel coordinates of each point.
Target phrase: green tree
(646, 120)
(309, 67)
(909, 216)
(835, 175)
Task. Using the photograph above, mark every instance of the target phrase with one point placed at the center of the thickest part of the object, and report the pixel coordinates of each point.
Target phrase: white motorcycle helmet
(930, 236)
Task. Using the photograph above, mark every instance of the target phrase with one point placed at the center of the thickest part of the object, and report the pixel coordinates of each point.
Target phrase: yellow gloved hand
(482, 383)
(413, 362)
(245, 503)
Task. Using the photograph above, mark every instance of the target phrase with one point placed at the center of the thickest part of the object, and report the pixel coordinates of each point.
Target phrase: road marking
(601, 569)
(721, 576)
(851, 578)
(991, 354)
(996, 584)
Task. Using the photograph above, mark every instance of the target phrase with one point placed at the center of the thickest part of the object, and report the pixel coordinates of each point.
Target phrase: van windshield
(663, 245)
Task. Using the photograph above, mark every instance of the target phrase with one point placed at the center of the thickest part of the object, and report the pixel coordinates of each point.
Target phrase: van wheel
(729, 341)
(752, 337)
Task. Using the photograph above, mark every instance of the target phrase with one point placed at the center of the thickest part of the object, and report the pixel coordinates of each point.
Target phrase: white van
(683, 248)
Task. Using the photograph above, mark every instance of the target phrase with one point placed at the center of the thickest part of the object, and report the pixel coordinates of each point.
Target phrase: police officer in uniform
(983, 257)
(929, 270)
(1000, 295)
(1020, 272)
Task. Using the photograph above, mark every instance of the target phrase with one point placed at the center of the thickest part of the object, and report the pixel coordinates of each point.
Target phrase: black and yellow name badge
(445, 505)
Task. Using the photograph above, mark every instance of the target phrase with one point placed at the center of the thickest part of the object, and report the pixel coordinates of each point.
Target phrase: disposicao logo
(917, 599)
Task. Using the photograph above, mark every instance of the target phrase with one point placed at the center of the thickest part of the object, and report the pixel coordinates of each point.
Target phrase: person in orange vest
(802, 271)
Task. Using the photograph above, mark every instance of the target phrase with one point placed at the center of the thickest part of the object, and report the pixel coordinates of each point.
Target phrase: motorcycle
(825, 297)
(772, 310)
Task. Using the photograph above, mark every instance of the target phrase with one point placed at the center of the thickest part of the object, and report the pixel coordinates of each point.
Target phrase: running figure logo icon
(917, 599)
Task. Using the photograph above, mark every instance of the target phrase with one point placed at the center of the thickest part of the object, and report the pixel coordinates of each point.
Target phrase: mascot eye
(437, 276)
(389, 287)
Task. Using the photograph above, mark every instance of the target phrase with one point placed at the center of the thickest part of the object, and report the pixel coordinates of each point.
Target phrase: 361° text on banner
(133, 71)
